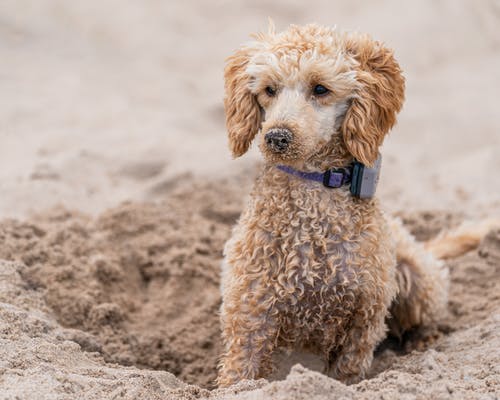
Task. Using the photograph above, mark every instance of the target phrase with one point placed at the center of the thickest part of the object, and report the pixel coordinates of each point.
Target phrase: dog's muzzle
(278, 139)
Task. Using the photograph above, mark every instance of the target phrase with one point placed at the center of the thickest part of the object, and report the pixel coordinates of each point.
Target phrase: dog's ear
(372, 112)
(243, 115)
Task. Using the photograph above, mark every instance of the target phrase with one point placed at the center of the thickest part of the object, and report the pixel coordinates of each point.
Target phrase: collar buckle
(335, 178)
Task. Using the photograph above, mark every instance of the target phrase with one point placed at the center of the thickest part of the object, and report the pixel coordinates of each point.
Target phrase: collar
(332, 178)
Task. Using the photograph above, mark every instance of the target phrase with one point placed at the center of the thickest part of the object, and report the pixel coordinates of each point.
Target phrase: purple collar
(332, 178)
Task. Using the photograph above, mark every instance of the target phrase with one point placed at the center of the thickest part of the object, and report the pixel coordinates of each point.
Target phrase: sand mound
(138, 286)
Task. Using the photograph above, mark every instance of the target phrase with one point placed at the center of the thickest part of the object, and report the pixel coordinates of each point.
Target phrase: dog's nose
(278, 139)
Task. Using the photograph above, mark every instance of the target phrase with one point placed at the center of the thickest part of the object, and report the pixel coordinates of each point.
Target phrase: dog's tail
(458, 241)
(422, 276)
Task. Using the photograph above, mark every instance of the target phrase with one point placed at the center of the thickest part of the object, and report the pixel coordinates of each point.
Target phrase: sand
(118, 192)
(102, 307)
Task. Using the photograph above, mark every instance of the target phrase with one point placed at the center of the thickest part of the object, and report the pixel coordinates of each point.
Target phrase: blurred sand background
(103, 102)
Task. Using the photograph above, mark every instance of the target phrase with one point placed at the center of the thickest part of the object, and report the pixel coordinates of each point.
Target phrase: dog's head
(314, 94)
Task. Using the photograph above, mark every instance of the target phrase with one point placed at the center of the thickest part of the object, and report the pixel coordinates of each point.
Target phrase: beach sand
(118, 193)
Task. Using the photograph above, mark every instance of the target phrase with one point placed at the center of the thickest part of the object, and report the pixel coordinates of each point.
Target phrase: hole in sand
(140, 284)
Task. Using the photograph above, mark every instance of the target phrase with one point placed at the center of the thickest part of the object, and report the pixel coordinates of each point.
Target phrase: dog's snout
(278, 139)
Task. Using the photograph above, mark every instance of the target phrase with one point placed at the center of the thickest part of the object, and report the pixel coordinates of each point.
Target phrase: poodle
(309, 265)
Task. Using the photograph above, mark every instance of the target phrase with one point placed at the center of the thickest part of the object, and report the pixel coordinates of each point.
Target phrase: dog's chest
(304, 246)
(315, 287)
(314, 273)
(314, 242)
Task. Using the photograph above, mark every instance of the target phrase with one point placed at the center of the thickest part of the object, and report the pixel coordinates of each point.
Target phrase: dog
(309, 266)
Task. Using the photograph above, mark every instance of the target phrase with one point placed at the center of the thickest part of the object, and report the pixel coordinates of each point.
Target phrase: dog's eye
(270, 91)
(320, 90)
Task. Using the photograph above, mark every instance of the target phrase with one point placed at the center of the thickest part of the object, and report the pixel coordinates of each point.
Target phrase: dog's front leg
(249, 332)
(356, 354)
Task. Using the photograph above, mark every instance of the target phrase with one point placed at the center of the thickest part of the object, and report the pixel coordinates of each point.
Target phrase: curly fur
(308, 266)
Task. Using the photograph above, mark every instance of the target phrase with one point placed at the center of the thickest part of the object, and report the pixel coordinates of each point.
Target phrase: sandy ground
(81, 299)
(106, 102)
(109, 101)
